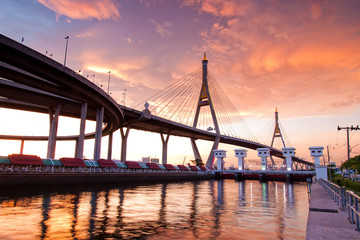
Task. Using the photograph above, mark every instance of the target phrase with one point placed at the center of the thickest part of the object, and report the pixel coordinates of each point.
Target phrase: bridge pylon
(277, 131)
(277, 134)
(203, 101)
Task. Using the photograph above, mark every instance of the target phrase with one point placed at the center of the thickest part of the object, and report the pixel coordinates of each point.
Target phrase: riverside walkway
(326, 220)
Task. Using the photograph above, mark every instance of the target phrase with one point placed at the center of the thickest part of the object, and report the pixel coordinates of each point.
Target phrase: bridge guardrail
(347, 200)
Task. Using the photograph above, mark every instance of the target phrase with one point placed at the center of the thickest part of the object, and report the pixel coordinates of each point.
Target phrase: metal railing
(346, 199)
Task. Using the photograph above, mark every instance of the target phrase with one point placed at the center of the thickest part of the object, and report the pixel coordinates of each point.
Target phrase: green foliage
(197, 162)
(337, 178)
(352, 163)
(347, 183)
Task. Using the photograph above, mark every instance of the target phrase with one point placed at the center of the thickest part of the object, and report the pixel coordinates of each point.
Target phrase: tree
(197, 162)
(352, 163)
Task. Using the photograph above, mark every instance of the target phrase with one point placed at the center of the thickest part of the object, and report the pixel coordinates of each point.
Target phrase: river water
(212, 209)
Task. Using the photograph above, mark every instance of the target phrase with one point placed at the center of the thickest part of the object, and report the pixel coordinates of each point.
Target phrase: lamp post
(109, 72)
(67, 39)
(124, 97)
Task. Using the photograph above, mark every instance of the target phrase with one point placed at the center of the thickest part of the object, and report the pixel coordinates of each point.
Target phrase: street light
(124, 97)
(109, 72)
(67, 39)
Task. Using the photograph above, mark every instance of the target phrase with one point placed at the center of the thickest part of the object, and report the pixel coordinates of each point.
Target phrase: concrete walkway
(326, 220)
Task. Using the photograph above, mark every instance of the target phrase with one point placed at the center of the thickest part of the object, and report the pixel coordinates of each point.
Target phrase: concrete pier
(326, 220)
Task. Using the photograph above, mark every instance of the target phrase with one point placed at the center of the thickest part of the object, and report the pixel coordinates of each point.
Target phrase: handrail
(347, 200)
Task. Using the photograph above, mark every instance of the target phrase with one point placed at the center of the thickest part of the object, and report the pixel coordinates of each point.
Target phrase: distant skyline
(302, 57)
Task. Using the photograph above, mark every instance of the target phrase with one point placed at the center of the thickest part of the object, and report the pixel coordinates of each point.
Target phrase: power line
(352, 128)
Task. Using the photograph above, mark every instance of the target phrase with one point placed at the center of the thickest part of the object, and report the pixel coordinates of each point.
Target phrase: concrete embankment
(326, 220)
(46, 179)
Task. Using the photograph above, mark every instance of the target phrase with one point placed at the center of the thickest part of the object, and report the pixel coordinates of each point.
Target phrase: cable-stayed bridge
(198, 104)
(194, 107)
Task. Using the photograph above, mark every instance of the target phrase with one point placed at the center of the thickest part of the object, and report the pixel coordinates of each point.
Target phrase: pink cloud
(316, 11)
(83, 9)
(162, 29)
(228, 8)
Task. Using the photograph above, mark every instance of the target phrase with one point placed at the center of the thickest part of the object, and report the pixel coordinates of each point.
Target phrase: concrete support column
(124, 136)
(54, 120)
(22, 146)
(288, 153)
(195, 149)
(110, 146)
(264, 153)
(98, 132)
(76, 148)
(220, 155)
(211, 157)
(164, 141)
(79, 153)
(241, 154)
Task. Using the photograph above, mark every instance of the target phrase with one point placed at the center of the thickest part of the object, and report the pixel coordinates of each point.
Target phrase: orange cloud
(281, 56)
(83, 9)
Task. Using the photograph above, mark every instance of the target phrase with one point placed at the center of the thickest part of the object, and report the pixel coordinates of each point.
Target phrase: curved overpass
(31, 81)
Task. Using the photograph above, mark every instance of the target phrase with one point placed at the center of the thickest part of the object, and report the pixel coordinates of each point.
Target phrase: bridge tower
(277, 131)
(277, 134)
(205, 100)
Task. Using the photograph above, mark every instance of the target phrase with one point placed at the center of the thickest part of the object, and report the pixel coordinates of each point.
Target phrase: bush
(347, 183)
(352, 163)
(337, 179)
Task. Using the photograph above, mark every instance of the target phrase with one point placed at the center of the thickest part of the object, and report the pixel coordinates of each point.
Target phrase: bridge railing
(346, 199)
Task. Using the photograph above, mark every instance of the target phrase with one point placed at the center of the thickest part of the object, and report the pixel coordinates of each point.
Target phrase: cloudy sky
(302, 57)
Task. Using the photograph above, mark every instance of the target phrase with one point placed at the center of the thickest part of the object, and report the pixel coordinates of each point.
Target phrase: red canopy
(72, 162)
(107, 163)
(21, 159)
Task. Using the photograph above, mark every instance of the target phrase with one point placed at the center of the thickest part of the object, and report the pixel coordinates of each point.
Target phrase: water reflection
(162, 211)
(190, 210)
(45, 215)
(265, 194)
(93, 205)
(242, 199)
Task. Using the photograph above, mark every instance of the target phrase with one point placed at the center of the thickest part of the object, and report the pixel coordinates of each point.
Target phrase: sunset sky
(302, 57)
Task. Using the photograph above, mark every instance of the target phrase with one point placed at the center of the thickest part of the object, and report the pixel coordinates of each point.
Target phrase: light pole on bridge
(109, 72)
(67, 39)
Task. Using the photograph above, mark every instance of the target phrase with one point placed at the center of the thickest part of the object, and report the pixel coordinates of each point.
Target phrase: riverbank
(325, 219)
(51, 179)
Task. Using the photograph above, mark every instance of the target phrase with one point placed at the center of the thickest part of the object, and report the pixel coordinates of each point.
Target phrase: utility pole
(329, 168)
(352, 128)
